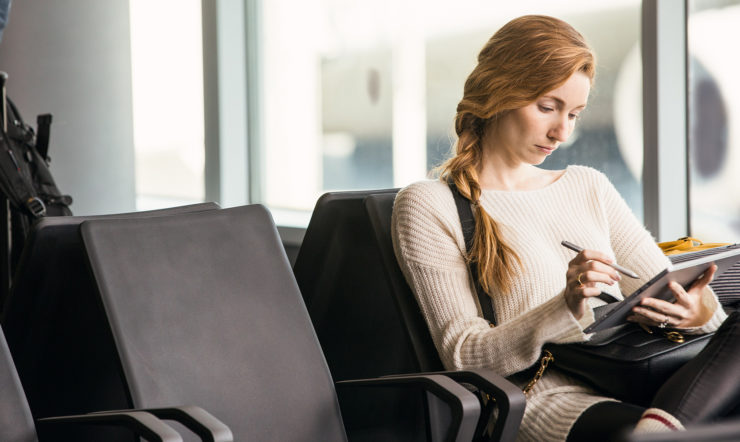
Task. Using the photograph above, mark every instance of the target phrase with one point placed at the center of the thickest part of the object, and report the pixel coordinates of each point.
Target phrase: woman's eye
(546, 109)
(573, 116)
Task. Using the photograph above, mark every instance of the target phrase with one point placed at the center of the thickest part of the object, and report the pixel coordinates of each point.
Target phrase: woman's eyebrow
(561, 103)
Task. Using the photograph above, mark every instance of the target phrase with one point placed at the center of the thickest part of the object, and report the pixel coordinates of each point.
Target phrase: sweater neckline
(531, 191)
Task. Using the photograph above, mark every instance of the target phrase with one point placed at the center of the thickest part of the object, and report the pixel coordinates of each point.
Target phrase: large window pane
(362, 94)
(167, 73)
(714, 120)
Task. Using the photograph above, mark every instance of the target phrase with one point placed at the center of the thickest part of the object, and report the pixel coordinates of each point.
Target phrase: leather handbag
(629, 362)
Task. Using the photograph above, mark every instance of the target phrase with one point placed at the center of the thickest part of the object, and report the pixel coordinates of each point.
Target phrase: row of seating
(169, 314)
(364, 312)
(192, 321)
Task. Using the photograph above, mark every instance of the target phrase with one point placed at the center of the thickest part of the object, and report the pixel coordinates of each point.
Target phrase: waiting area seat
(17, 424)
(365, 315)
(202, 308)
(195, 317)
(54, 301)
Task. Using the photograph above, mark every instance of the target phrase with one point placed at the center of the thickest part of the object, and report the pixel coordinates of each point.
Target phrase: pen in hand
(613, 265)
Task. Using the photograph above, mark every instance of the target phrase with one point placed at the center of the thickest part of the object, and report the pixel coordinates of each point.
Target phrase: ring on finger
(664, 324)
(578, 278)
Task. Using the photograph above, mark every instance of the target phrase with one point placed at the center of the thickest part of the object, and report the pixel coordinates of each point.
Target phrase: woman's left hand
(688, 310)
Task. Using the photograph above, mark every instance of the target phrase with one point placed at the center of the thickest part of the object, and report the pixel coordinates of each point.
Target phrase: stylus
(614, 265)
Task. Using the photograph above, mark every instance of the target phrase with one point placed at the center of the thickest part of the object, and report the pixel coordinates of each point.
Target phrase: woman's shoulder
(425, 204)
(586, 172)
(426, 227)
(588, 176)
(425, 193)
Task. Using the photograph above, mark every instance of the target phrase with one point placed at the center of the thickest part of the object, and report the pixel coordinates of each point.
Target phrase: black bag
(27, 188)
(625, 362)
(25, 178)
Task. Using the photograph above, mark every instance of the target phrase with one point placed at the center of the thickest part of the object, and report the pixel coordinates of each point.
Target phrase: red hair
(526, 58)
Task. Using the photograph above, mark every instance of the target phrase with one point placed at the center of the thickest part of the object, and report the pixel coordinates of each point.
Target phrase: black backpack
(27, 189)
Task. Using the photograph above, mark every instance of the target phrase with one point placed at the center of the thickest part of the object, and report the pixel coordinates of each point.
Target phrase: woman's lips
(546, 149)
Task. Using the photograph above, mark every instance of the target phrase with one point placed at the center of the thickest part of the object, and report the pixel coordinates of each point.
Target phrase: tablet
(685, 271)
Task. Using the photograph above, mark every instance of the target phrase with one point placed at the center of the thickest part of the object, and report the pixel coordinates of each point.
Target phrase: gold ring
(579, 279)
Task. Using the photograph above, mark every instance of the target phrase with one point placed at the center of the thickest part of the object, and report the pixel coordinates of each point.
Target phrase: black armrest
(143, 424)
(196, 419)
(509, 398)
(464, 405)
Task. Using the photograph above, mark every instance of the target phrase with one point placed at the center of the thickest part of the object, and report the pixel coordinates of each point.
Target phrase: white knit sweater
(583, 207)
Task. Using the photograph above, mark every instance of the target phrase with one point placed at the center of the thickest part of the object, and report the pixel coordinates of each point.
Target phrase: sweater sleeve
(429, 246)
(636, 249)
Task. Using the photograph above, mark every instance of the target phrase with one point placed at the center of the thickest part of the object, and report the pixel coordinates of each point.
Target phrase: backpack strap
(43, 127)
(468, 227)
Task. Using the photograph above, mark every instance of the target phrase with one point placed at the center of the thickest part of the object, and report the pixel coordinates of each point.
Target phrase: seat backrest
(341, 276)
(340, 271)
(204, 310)
(16, 423)
(379, 209)
(54, 301)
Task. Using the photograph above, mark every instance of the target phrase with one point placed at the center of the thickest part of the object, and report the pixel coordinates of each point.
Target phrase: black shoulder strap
(468, 228)
(43, 125)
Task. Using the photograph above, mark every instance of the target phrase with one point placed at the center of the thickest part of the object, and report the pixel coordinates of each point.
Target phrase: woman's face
(533, 132)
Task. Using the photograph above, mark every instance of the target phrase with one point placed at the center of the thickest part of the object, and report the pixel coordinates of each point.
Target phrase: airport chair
(32, 260)
(365, 315)
(53, 301)
(509, 399)
(17, 424)
(202, 308)
(380, 208)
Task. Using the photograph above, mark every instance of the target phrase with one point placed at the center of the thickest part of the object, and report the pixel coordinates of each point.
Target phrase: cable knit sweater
(581, 206)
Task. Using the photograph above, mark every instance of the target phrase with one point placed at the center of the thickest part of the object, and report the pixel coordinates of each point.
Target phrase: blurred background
(165, 102)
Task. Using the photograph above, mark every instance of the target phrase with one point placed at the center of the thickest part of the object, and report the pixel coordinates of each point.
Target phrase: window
(714, 120)
(362, 94)
(167, 75)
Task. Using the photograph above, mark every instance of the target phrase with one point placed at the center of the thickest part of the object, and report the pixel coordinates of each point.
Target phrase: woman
(519, 104)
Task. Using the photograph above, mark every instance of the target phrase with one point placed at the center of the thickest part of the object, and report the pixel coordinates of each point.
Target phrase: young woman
(520, 103)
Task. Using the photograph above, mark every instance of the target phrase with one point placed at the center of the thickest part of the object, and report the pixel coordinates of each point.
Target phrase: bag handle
(468, 227)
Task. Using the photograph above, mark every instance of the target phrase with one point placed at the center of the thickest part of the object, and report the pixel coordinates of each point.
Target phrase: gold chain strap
(546, 359)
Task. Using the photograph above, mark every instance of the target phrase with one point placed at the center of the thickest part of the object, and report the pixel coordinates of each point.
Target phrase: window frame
(665, 113)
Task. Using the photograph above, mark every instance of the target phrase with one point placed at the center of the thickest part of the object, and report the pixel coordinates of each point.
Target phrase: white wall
(72, 59)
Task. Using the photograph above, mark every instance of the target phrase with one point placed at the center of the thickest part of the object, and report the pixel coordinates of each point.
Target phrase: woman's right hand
(584, 271)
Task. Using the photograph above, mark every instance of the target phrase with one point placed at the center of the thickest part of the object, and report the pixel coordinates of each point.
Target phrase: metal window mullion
(211, 119)
(665, 172)
(254, 87)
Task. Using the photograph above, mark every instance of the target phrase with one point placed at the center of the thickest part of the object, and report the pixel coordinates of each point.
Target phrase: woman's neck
(498, 174)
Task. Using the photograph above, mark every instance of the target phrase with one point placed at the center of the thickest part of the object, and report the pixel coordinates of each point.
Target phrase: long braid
(494, 257)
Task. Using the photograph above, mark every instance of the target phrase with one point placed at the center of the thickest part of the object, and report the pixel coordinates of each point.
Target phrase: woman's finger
(592, 255)
(679, 309)
(591, 277)
(706, 278)
(654, 318)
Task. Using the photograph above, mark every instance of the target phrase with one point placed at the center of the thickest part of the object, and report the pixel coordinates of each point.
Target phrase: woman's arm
(430, 248)
(696, 309)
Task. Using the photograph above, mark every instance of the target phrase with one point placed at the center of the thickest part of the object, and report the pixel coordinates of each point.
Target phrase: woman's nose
(560, 129)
